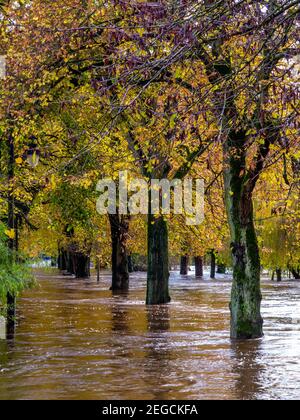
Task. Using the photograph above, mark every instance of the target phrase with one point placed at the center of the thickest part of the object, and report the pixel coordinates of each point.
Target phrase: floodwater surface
(75, 340)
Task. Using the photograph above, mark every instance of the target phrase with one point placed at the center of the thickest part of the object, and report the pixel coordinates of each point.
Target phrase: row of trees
(165, 89)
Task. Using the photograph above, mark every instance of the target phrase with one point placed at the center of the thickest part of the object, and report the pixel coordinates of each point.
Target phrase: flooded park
(149, 201)
(74, 339)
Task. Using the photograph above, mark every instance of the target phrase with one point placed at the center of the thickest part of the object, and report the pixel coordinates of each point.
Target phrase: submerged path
(74, 340)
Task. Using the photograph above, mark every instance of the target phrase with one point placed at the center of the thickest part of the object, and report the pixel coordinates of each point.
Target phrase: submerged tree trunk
(130, 264)
(10, 298)
(59, 259)
(221, 269)
(296, 273)
(119, 235)
(184, 265)
(11, 308)
(278, 275)
(158, 261)
(70, 263)
(62, 260)
(213, 265)
(199, 266)
(81, 264)
(246, 320)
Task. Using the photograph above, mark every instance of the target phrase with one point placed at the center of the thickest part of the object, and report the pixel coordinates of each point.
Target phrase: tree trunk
(158, 261)
(69, 263)
(246, 320)
(184, 265)
(296, 274)
(59, 259)
(119, 235)
(278, 275)
(130, 264)
(98, 268)
(199, 266)
(221, 269)
(81, 264)
(62, 260)
(213, 265)
(11, 308)
(10, 298)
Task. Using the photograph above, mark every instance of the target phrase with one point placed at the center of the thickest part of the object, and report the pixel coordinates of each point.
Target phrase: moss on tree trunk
(245, 306)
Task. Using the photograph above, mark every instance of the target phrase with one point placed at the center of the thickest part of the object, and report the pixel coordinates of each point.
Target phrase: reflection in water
(248, 368)
(158, 318)
(119, 313)
(76, 340)
(120, 328)
(3, 354)
(11, 330)
(158, 355)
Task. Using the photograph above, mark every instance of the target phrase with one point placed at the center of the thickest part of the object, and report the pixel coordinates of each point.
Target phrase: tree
(184, 89)
(246, 102)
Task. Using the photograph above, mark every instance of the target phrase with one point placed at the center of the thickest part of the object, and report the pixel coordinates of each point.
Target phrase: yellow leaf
(10, 233)
(19, 161)
(53, 181)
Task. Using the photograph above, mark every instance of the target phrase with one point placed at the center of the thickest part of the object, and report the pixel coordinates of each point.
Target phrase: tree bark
(119, 234)
(246, 320)
(184, 265)
(199, 266)
(158, 261)
(213, 265)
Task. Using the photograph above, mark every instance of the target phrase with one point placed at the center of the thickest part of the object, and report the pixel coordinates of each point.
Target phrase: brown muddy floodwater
(74, 340)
